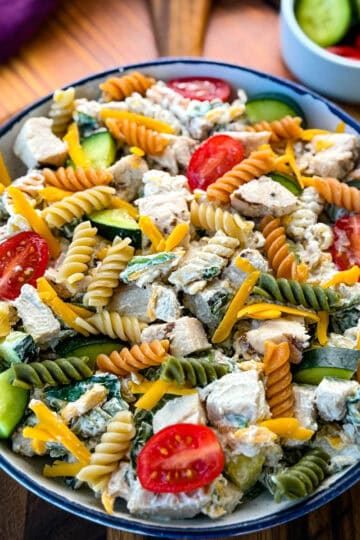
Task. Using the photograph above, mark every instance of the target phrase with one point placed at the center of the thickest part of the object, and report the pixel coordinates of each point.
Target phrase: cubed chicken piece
(92, 398)
(176, 155)
(250, 141)
(185, 409)
(163, 303)
(263, 197)
(131, 301)
(165, 209)
(210, 304)
(186, 336)
(225, 498)
(331, 396)
(121, 481)
(278, 330)
(127, 176)
(156, 182)
(167, 505)
(331, 155)
(236, 276)
(237, 396)
(37, 318)
(304, 406)
(37, 145)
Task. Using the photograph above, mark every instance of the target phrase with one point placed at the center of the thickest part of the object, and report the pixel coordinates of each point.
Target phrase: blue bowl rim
(300, 509)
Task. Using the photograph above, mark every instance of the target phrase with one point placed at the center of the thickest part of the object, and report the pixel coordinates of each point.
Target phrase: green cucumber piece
(327, 362)
(324, 21)
(91, 347)
(271, 106)
(287, 181)
(100, 149)
(13, 403)
(17, 347)
(116, 222)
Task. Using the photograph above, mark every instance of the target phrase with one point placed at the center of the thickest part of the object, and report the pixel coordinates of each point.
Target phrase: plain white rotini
(212, 218)
(106, 277)
(310, 207)
(113, 447)
(78, 256)
(61, 110)
(75, 206)
(206, 264)
(111, 324)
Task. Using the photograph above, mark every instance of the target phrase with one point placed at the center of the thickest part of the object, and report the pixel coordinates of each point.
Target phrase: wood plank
(13, 506)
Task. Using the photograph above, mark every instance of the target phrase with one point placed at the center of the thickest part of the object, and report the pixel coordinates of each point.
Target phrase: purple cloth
(19, 19)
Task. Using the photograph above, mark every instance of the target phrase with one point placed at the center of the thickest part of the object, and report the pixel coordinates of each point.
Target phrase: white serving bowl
(261, 512)
(327, 73)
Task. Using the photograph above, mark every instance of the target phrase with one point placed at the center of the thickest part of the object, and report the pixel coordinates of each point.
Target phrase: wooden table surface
(84, 36)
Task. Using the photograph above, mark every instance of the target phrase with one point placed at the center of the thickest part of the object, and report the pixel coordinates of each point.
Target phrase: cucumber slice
(100, 148)
(117, 222)
(287, 181)
(327, 362)
(272, 107)
(324, 21)
(90, 347)
(13, 403)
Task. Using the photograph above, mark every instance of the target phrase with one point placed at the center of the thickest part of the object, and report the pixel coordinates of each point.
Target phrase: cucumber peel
(287, 181)
(116, 222)
(88, 346)
(272, 106)
(13, 403)
(327, 362)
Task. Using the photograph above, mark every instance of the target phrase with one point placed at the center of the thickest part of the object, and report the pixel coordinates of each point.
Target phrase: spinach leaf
(86, 123)
(72, 392)
(345, 317)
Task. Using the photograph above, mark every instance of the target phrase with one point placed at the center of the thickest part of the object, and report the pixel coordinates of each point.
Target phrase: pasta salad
(179, 296)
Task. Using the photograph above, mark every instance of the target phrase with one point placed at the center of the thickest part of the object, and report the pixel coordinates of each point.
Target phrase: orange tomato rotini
(133, 134)
(281, 260)
(76, 179)
(259, 162)
(278, 388)
(288, 127)
(336, 192)
(131, 360)
(118, 88)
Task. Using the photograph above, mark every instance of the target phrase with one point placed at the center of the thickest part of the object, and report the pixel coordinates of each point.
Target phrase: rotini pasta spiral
(336, 192)
(52, 372)
(293, 292)
(215, 219)
(138, 357)
(111, 324)
(77, 179)
(118, 88)
(31, 184)
(78, 255)
(306, 215)
(302, 478)
(113, 447)
(279, 394)
(194, 371)
(61, 110)
(288, 127)
(259, 162)
(106, 277)
(75, 206)
(133, 134)
(281, 260)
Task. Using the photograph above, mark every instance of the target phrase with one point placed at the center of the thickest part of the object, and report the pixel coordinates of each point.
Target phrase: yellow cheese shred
(153, 395)
(349, 277)
(323, 145)
(308, 134)
(61, 468)
(174, 389)
(53, 194)
(266, 314)
(151, 123)
(287, 427)
(150, 230)
(75, 150)
(253, 309)
(292, 162)
(5, 178)
(137, 151)
(176, 236)
(223, 330)
(108, 501)
(322, 327)
(244, 265)
(116, 202)
(340, 128)
(23, 207)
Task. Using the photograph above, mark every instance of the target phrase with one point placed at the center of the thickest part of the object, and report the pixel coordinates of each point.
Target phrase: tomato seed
(164, 451)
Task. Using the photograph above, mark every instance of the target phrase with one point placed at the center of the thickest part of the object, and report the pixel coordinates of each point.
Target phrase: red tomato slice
(212, 159)
(201, 88)
(346, 247)
(346, 51)
(357, 42)
(23, 258)
(178, 458)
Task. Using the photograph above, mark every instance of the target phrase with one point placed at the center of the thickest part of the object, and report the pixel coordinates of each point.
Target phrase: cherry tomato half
(201, 88)
(346, 247)
(345, 51)
(178, 458)
(23, 258)
(212, 159)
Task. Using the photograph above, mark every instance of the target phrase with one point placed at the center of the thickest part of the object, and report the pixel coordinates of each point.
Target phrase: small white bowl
(327, 73)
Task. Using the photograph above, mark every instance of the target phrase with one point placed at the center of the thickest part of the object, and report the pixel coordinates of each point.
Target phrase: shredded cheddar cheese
(292, 162)
(288, 428)
(323, 145)
(253, 309)
(5, 178)
(149, 228)
(151, 123)
(244, 265)
(53, 194)
(116, 202)
(349, 277)
(176, 236)
(322, 328)
(137, 151)
(309, 134)
(153, 395)
(75, 150)
(340, 128)
(61, 468)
